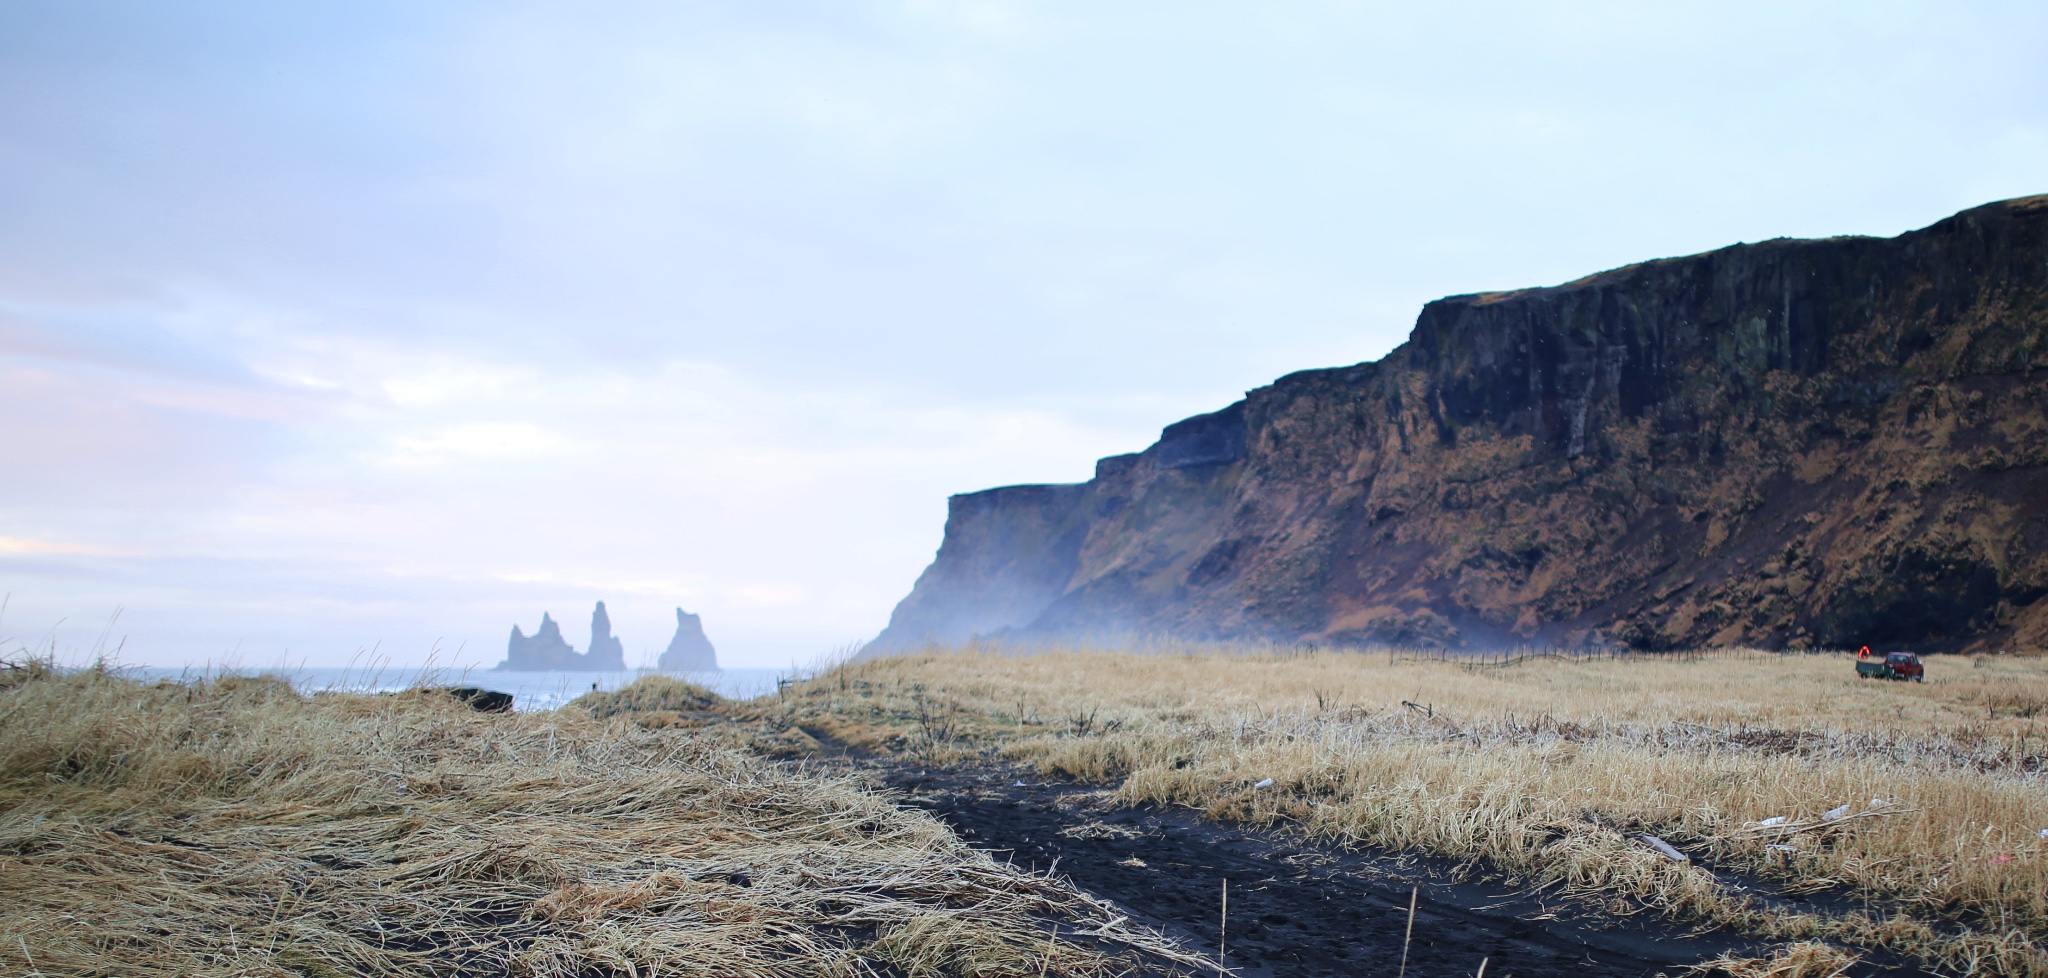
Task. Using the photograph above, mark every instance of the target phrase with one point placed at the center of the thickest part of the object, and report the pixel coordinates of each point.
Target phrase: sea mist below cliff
(1794, 443)
(530, 690)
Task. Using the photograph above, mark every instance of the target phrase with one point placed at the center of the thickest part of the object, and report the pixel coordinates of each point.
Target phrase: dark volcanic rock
(1795, 443)
(690, 650)
(481, 700)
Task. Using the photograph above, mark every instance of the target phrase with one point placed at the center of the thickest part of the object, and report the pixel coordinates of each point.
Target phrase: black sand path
(1297, 909)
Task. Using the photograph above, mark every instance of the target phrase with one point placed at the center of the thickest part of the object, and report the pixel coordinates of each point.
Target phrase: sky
(344, 330)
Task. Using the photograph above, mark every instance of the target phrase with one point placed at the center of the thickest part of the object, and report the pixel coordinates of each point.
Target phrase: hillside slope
(1794, 443)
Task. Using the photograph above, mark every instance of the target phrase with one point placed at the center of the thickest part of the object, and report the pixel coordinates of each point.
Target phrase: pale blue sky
(326, 327)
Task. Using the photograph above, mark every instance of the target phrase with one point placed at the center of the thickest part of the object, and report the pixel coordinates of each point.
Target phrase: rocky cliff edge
(1794, 443)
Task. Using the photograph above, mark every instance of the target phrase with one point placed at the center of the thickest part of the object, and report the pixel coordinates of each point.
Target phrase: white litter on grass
(1268, 783)
(1773, 820)
(1878, 803)
(1020, 784)
(1837, 812)
(2044, 833)
(1780, 847)
(1665, 848)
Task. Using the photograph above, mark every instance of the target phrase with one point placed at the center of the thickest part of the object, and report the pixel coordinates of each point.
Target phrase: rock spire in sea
(606, 652)
(546, 651)
(690, 650)
(543, 651)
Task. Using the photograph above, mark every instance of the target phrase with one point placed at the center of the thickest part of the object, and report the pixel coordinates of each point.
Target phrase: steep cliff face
(1787, 444)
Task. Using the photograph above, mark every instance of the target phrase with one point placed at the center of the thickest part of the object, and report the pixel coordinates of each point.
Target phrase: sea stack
(606, 652)
(690, 650)
(546, 650)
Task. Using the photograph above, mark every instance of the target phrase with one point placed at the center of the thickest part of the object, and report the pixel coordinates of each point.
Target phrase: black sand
(1297, 908)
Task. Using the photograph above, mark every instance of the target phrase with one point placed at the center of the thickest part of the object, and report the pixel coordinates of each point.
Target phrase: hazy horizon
(332, 328)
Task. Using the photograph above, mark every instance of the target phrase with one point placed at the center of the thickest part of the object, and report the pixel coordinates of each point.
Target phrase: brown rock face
(1789, 444)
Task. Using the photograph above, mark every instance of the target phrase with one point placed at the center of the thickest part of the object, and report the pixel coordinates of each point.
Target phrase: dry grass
(1552, 771)
(648, 694)
(1804, 959)
(235, 828)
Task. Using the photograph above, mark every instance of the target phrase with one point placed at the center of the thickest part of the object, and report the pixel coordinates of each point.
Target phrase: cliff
(690, 650)
(1794, 443)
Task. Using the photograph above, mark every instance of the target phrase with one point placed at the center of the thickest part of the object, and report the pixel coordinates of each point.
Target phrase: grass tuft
(1804, 959)
(646, 695)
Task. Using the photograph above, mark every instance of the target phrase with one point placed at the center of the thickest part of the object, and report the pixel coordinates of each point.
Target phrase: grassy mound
(648, 694)
(237, 828)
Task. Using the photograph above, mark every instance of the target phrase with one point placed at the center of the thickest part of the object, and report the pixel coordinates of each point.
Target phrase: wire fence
(1510, 657)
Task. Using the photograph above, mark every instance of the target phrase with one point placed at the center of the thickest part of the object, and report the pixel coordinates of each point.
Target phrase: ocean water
(530, 690)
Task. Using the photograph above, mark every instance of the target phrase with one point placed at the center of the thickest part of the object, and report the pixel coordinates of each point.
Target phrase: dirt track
(1296, 909)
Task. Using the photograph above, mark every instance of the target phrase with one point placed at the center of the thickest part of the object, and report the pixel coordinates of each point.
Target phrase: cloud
(325, 327)
(481, 440)
(18, 546)
(788, 512)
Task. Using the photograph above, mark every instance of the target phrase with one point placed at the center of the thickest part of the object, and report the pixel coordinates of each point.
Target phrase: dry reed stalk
(1548, 770)
(1800, 960)
(236, 828)
(1223, 927)
(1408, 935)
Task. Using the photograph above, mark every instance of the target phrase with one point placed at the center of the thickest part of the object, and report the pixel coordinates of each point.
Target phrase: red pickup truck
(1891, 665)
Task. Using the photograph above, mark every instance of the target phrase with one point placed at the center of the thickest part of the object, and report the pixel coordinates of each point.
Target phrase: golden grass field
(237, 828)
(234, 828)
(1551, 771)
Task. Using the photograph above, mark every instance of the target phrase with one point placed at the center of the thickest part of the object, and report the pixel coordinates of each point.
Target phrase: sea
(530, 690)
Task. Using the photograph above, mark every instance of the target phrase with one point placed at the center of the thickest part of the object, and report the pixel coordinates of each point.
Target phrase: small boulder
(481, 700)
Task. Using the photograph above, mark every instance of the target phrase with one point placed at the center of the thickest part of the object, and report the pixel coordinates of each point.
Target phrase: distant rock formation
(547, 651)
(1788, 444)
(689, 651)
(544, 651)
(606, 652)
